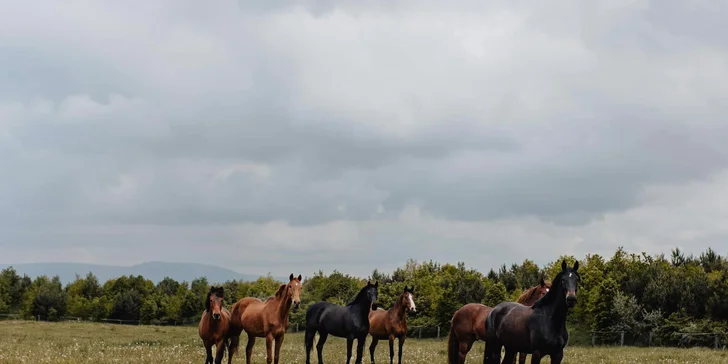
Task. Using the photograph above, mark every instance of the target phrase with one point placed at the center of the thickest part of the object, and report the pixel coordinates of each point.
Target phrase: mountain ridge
(152, 270)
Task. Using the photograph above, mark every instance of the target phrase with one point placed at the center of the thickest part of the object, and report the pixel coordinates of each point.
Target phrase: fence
(684, 339)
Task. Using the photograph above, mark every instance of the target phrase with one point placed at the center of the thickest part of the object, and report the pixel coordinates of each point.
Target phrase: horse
(468, 323)
(214, 325)
(539, 330)
(350, 322)
(268, 319)
(528, 298)
(386, 325)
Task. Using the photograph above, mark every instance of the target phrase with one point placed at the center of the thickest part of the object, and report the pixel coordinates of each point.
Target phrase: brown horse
(214, 325)
(468, 324)
(528, 298)
(392, 323)
(268, 319)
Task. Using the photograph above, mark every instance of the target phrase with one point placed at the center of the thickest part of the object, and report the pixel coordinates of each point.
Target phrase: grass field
(41, 342)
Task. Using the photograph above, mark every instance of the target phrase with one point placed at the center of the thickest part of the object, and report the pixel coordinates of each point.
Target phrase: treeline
(644, 296)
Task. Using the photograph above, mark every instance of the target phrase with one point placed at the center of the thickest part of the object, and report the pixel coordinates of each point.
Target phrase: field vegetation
(85, 342)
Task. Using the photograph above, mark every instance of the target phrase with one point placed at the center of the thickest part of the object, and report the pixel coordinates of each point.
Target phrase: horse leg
(391, 349)
(401, 343)
(556, 357)
(510, 356)
(320, 346)
(308, 343)
(208, 350)
(372, 347)
(536, 358)
(492, 353)
(521, 358)
(349, 343)
(249, 348)
(279, 343)
(220, 346)
(360, 348)
(269, 348)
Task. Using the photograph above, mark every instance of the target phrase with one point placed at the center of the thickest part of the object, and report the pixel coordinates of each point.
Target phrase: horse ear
(576, 266)
(299, 278)
(412, 289)
(369, 282)
(542, 283)
(290, 278)
(563, 265)
(376, 284)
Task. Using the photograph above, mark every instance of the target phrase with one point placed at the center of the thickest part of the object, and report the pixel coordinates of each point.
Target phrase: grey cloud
(226, 117)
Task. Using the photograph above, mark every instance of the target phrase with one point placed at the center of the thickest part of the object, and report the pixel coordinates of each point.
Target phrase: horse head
(294, 289)
(372, 292)
(542, 288)
(213, 304)
(570, 282)
(408, 300)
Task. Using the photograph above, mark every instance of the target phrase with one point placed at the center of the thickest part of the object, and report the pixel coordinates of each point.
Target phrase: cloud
(317, 127)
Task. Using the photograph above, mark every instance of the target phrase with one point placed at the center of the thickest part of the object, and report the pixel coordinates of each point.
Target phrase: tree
(603, 302)
(495, 293)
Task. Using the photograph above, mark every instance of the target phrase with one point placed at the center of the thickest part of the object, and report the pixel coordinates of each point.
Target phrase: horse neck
(553, 304)
(527, 297)
(399, 310)
(284, 305)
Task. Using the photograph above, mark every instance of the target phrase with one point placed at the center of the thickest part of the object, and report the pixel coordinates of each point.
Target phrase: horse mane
(359, 296)
(555, 290)
(528, 294)
(278, 293)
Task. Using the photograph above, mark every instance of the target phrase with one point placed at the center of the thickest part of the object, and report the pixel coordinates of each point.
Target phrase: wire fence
(682, 339)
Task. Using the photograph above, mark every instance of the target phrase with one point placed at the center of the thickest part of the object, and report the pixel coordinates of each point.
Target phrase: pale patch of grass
(40, 342)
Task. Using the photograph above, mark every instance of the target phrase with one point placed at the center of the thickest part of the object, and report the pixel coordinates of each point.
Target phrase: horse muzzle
(215, 316)
(571, 300)
(375, 306)
(296, 304)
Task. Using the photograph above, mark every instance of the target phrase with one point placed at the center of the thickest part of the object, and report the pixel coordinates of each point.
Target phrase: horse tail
(233, 345)
(453, 346)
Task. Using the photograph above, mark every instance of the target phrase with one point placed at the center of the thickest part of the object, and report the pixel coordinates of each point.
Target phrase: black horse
(350, 322)
(538, 330)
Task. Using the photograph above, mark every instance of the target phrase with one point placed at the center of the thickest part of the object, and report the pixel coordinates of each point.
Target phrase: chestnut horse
(539, 330)
(214, 325)
(268, 319)
(468, 324)
(528, 298)
(392, 323)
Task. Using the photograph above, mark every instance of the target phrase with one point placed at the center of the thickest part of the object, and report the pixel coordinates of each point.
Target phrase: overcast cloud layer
(338, 135)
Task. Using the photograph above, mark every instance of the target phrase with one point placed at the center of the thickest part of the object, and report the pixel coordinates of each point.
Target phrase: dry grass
(33, 342)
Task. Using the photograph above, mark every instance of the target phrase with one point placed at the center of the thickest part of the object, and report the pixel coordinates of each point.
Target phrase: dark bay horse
(538, 330)
(268, 319)
(528, 298)
(214, 325)
(392, 323)
(350, 322)
(468, 323)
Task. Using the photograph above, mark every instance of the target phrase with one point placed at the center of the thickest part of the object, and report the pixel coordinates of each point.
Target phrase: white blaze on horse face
(547, 290)
(412, 302)
(569, 274)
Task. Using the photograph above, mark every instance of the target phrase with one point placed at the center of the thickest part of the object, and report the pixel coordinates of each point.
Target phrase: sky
(293, 136)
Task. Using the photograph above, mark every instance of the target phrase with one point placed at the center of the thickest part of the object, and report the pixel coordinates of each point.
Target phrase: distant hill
(155, 271)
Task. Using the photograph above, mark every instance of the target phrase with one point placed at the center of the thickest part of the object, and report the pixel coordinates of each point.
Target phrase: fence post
(649, 339)
(438, 332)
(419, 335)
(593, 334)
(296, 326)
(716, 341)
(621, 338)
